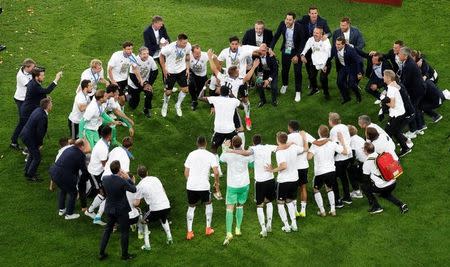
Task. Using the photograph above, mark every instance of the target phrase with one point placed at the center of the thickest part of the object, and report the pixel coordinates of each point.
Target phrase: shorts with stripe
(328, 179)
(153, 216)
(195, 196)
(237, 120)
(287, 191)
(179, 78)
(96, 181)
(302, 176)
(219, 138)
(265, 191)
(122, 87)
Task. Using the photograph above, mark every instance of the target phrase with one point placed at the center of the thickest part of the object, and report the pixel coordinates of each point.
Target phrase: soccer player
(175, 59)
(95, 74)
(197, 79)
(114, 111)
(149, 71)
(80, 104)
(287, 178)
(93, 118)
(238, 183)
(354, 169)
(152, 191)
(118, 66)
(295, 136)
(196, 170)
(323, 151)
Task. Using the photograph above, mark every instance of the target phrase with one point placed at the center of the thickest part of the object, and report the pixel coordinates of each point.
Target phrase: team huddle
(95, 162)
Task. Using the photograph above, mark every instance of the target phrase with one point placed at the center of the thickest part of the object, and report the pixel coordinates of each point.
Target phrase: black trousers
(82, 189)
(68, 192)
(196, 84)
(347, 81)
(286, 66)
(123, 221)
(273, 87)
(385, 193)
(418, 121)
(135, 98)
(355, 174)
(33, 160)
(341, 173)
(20, 124)
(394, 128)
(323, 76)
(73, 129)
(429, 107)
(379, 83)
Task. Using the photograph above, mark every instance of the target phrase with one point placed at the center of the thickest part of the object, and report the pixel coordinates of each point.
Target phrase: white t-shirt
(324, 157)
(144, 68)
(262, 155)
(176, 57)
(380, 130)
(290, 174)
(80, 99)
(88, 74)
(118, 153)
(199, 162)
(224, 108)
(111, 104)
(394, 93)
(198, 66)
(234, 84)
(346, 134)
(357, 144)
(134, 211)
(92, 116)
(99, 153)
(120, 65)
(237, 169)
(385, 144)
(370, 168)
(321, 51)
(239, 58)
(296, 138)
(22, 78)
(151, 189)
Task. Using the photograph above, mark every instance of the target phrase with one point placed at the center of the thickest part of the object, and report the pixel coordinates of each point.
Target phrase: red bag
(388, 166)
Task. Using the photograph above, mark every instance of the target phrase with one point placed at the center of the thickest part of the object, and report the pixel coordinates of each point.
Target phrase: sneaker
(209, 231)
(169, 240)
(321, 214)
(302, 214)
(376, 210)
(332, 213)
(263, 233)
(347, 201)
(164, 110)
(410, 135)
(90, 214)
(98, 220)
(420, 132)
(269, 228)
(190, 235)
(15, 146)
(423, 128)
(283, 89)
(297, 214)
(62, 212)
(174, 89)
(377, 102)
(237, 232)
(72, 216)
(298, 97)
(178, 109)
(356, 194)
(286, 229)
(409, 143)
(218, 196)
(228, 239)
(144, 247)
(339, 204)
(405, 152)
(313, 92)
(248, 123)
(140, 235)
(294, 228)
(438, 118)
(404, 209)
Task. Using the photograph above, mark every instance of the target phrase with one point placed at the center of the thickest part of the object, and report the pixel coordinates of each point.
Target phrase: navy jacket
(35, 93)
(250, 37)
(299, 38)
(321, 22)
(426, 69)
(391, 56)
(433, 94)
(150, 39)
(356, 38)
(385, 65)
(271, 70)
(68, 166)
(411, 78)
(116, 198)
(35, 129)
(351, 59)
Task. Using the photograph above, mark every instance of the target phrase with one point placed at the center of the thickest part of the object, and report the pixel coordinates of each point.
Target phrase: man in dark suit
(258, 35)
(117, 208)
(392, 56)
(294, 39)
(32, 136)
(348, 67)
(35, 93)
(432, 100)
(65, 173)
(376, 65)
(153, 35)
(266, 75)
(313, 20)
(351, 34)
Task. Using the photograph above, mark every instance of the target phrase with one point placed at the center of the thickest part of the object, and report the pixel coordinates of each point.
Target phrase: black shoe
(339, 204)
(313, 92)
(34, 179)
(15, 146)
(102, 256)
(260, 104)
(147, 113)
(274, 103)
(128, 257)
(327, 96)
(2, 47)
(375, 210)
(404, 209)
(404, 152)
(345, 101)
(194, 106)
(347, 201)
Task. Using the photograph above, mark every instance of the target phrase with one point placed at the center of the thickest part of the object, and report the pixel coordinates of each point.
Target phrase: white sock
(242, 136)
(140, 225)
(96, 202)
(208, 213)
(181, 96)
(166, 228)
(294, 202)
(261, 219)
(247, 109)
(101, 209)
(303, 206)
(166, 99)
(319, 201)
(269, 213)
(146, 236)
(291, 210)
(331, 200)
(282, 213)
(190, 218)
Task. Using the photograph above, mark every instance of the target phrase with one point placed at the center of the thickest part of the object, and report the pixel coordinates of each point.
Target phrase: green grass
(71, 33)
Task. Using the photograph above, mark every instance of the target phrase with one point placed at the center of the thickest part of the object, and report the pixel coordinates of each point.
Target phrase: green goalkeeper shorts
(237, 195)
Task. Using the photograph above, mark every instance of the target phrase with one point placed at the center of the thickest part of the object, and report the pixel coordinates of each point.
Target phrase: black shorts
(96, 181)
(243, 91)
(287, 190)
(265, 190)
(219, 138)
(122, 87)
(153, 216)
(237, 120)
(302, 176)
(179, 78)
(195, 196)
(327, 178)
(134, 220)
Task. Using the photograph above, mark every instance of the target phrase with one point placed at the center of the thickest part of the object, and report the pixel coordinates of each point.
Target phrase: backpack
(389, 168)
